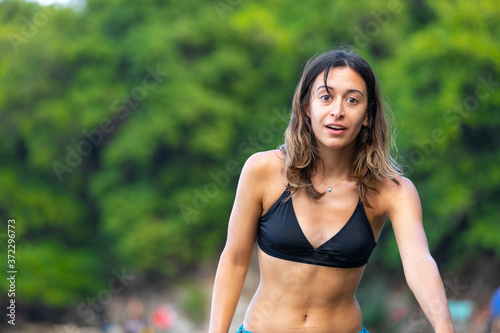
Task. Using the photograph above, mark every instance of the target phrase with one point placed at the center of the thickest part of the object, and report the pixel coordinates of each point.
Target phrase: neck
(335, 164)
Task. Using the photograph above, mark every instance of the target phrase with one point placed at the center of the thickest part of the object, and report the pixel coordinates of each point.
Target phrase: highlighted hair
(371, 160)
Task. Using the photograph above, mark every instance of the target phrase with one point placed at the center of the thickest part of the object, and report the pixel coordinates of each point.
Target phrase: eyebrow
(349, 90)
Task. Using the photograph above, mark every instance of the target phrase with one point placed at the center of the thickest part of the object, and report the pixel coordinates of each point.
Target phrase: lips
(335, 129)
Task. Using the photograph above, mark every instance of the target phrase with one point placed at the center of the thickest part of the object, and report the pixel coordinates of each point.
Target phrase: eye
(326, 97)
(352, 100)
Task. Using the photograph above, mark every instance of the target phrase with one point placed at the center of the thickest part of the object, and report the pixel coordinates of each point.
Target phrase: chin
(334, 146)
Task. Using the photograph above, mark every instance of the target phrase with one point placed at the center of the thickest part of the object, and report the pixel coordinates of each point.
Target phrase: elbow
(419, 267)
(235, 258)
(416, 261)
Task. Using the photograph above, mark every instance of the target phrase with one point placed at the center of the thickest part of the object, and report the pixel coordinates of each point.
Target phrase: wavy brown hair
(371, 160)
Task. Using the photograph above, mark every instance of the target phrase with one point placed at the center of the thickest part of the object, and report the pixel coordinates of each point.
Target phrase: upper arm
(405, 213)
(247, 209)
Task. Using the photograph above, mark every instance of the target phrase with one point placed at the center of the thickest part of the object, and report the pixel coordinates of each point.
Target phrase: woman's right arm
(242, 233)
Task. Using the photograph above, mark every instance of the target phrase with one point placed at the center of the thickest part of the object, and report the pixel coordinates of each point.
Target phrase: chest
(321, 220)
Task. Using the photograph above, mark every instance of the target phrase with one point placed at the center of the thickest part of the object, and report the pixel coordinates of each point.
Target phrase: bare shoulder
(403, 186)
(264, 165)
(251, 195)
(405, 213)
(263, 174)
(393, 195)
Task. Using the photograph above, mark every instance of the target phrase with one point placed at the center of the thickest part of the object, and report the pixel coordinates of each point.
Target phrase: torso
(298, 297)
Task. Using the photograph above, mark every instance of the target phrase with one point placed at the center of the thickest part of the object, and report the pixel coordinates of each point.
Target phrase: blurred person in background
(495, 312)
(317, 206)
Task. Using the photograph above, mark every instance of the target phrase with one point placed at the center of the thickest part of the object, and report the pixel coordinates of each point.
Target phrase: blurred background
(125, 124)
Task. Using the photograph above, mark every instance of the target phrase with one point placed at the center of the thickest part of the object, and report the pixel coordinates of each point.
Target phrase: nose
(337, 109)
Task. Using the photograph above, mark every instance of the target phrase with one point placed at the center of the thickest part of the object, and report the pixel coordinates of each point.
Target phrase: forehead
(341, 78)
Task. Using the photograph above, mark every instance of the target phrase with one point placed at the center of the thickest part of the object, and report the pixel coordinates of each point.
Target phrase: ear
(307, 111)
(365, 121)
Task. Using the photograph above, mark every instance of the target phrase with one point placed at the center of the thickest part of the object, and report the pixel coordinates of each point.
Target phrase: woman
(317, 206)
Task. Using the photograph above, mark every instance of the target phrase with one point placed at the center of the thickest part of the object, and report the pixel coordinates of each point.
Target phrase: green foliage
(193, 302)
(369, 294)
(62, 274)
(445, 101)
(125, 125)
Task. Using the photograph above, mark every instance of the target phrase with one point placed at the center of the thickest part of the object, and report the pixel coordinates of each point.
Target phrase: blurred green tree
(443, 81)
(125, 125)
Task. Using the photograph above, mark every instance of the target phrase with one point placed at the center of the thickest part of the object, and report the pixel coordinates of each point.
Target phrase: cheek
(316, 121)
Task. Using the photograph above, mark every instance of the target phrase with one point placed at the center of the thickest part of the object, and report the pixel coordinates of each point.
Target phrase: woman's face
(337, 114)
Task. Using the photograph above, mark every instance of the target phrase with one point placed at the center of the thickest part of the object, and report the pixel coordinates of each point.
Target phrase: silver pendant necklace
(330, 187)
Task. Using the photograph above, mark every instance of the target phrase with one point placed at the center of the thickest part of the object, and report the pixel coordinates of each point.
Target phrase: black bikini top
(280, 236)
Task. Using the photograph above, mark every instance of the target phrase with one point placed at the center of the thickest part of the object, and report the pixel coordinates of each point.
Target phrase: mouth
(335, 129)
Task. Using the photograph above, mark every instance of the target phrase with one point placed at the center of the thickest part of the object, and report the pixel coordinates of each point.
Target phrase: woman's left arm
(420, 269)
